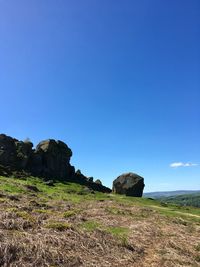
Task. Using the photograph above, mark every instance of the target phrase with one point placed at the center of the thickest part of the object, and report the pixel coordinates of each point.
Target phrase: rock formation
(50, 161)
(13, 153)
(129, 184)
(98, 181)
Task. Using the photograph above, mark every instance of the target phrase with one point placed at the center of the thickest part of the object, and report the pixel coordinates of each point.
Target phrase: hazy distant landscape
(163, 194)
(183, 200)
(181, 197)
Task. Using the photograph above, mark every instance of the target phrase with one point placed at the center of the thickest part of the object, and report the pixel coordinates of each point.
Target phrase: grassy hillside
(162, 194)
(184, 200)
(69, 225)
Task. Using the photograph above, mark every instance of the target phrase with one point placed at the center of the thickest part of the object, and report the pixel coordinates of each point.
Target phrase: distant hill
(184, 200)
(181, 197)
(162, 194)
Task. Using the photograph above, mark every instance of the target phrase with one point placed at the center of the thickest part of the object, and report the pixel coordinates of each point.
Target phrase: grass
(197, 258)
(43, 211)
(97, 229)
(58, 226)
(118, 231)
(90, 226)
(115, 211)
(71, 213)
(11, 188)
(192, 215)
(72, 192)
(184, 200)
(197, 247)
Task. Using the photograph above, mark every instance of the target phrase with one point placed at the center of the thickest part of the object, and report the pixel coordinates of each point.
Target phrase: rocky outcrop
(88, 181)
(98, 181)
(129, 184)
(50, 160)
(13, 153)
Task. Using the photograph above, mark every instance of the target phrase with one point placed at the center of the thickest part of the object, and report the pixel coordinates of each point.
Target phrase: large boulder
(14, 153)
(51, 159)
(129, 184)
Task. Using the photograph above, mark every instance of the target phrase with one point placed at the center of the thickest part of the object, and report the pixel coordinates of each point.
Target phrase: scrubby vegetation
(69, 225)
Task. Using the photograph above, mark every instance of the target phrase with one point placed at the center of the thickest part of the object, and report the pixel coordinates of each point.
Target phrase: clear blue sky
(118, 81)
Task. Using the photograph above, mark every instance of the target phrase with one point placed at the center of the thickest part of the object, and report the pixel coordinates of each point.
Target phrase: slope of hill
(67, 224)
(184, 200)
(161, 194)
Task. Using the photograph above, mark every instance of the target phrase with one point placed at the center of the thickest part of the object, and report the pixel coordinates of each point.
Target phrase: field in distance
(182, 198)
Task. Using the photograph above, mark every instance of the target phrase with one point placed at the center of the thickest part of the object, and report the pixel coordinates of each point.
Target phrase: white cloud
(181, 164)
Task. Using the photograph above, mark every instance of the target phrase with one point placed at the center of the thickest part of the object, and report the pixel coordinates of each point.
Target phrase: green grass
(58, 226)
(190, 214)
(75, 193)
(70, 213)
(90, 226)
(114, 211)
(61, 191)
(9, 185)
(118, 231)
(197, 258)
(26, 216)
(121, 233)
(197, 247)
(169, 210)
(12, 209)
(43, 211)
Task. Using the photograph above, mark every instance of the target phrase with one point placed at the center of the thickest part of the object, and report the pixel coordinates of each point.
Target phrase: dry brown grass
(61, 233)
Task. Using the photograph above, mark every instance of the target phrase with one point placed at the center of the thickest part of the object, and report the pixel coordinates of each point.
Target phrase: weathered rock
(99, 187)
(14, 153)
(5, 171)
(50, 161)
(7, 150)
(23, 151)
(90, 179)
(129, 184)
(98, 181)
(80, 178)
